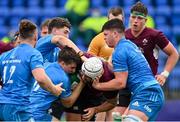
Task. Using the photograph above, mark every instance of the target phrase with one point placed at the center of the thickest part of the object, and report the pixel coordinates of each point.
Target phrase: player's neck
(137, 33)
(27, 42)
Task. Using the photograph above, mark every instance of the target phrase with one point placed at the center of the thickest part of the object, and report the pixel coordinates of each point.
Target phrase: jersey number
(11, 71)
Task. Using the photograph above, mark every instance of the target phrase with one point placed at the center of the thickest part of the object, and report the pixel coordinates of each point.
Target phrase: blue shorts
(42, 116)
(11, 112)
(148, 101)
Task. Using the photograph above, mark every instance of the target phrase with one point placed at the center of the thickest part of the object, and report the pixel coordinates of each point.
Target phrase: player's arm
(45, 82)
(172, 59)
(62, 41)
(119, 82)
(69, 101)
(106, 106)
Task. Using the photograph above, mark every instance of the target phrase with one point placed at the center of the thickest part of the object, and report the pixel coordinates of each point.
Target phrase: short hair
(114, 24)
(58, 22)
(26, 29)
(115, 11)
(140, 7)
(69, 55)
(45, 23)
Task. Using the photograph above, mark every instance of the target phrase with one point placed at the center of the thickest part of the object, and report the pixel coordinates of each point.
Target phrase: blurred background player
(98, 45)
(128, 66)
(150, 41)
(17, 71)
(44, 27)
(8, 46)
(68, 61)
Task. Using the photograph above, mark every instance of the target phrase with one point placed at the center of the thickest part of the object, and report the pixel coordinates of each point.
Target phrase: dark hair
(26, 29)
(45, 23)
(69, 55)
(140, 7)
(114, 24)
(58, 23)
(115, 11)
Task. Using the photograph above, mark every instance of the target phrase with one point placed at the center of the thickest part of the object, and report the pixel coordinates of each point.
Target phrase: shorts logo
(148, 108)
(135, 104)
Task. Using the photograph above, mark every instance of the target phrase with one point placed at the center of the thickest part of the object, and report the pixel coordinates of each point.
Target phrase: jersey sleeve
(67, 86)
(44, 45)
(119, 60)
(36, 60)
(162, 40)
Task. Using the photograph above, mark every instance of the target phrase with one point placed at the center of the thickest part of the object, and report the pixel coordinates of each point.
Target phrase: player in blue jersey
(68, 61)
(44, 27)
(131, 70)
(18, 68)
(48, 45)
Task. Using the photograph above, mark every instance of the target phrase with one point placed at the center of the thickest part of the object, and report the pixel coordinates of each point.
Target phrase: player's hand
(58, 89)
(96, 83)
(89, 113)
(161, 79)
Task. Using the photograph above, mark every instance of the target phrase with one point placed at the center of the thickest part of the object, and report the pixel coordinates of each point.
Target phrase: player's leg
(147, 103)
(132, 118)
(122, 104)
(101, 116)
(56, 110)
(73, 116)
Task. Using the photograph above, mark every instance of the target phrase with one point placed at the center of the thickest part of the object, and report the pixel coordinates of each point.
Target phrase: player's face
(69, 68)
(137, 23)
(44, 31)
(109, 38)
(65, 31)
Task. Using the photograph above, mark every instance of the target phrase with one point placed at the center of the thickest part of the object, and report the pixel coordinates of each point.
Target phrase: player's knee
(131, 118)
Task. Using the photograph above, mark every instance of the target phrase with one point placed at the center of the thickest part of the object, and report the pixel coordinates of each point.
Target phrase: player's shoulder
(152, 31)
(44, 39)
(98, 37)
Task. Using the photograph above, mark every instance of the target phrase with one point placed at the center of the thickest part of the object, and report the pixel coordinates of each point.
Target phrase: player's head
(113, 31)
(15, 39)
(44, 27)
(138, 16)
(59, 26)
(28, 31)
(116, 12)
(92, 68)
(69, 59)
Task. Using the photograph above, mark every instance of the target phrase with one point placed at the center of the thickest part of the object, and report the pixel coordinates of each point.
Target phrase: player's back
(41, 99)
(16, 66)
(132, 60)
(48, 50)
